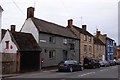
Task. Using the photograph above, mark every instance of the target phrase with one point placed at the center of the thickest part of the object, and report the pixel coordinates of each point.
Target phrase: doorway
(65, 55)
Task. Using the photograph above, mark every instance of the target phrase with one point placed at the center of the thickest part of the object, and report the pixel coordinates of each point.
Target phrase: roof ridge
(50, 22)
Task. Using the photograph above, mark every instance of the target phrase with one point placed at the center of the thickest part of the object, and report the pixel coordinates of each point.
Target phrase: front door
(65, 54)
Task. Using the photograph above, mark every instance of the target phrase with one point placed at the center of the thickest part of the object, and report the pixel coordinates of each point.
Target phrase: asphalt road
(103, 72)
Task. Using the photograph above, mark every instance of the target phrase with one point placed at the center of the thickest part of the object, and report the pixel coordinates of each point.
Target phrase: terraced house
(57, 42)
(99, 49)
(109, 45)
(86, 40)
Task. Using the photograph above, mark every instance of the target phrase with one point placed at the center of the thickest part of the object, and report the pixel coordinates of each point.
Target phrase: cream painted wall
(29, 27)
(7, 37)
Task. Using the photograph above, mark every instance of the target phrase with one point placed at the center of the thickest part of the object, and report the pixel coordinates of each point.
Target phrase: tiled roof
(98, 41)
(110, 38)
(3, 32)
(83, 31)
(51, 28)
(1, 8)
(25, 41)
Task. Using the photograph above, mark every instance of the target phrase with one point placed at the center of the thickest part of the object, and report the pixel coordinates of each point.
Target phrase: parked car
(112, 62)
(91, 63)
(70, 65)
(118, 62)
(104, 63)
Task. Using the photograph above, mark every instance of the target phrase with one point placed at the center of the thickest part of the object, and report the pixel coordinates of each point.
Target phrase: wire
(18, 7)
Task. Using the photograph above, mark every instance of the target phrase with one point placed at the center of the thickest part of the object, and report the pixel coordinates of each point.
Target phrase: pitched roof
(3, 32)
(98, 41)
(110, 38)
(25, 41)
(1, 8)
(51, 28)
(83, 31)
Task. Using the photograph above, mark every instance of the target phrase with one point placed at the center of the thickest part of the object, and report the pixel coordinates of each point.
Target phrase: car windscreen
(69, 62)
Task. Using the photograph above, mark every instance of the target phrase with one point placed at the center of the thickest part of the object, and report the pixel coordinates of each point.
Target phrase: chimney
(98, 33)
(84, 27)
(105, 35)
(30, 12)
(70, 23)
(13, 28)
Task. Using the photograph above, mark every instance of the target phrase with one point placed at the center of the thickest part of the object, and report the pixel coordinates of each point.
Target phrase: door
(65, 54)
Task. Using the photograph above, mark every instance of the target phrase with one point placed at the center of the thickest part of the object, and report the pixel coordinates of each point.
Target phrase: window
(52, 54)
(7, 44)
(97, 47)
(64, 41)
(90, 39)
(52, 39)
(85, 48)
(85, 37)
(71, 46)
(90, 49)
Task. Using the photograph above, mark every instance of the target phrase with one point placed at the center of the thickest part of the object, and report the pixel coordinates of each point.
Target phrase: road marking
(103, 70)
(86, 74)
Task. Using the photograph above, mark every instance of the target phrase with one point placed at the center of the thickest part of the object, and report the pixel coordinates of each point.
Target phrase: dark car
(118, 62)
(69, 65)
(104, 63)
(112, 62)
(91, 63)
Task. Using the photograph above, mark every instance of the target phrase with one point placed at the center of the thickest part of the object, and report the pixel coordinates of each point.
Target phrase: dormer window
(7, 44)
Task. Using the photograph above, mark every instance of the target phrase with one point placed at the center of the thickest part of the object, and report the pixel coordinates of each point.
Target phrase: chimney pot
(84, 27)
(70, 23)
(13, 28)
(98, 33)
(30, 12)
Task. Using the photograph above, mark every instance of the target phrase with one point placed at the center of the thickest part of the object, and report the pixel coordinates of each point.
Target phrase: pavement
(47, 69)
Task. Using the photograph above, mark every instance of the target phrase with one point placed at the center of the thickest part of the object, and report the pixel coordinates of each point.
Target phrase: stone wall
(9, 63)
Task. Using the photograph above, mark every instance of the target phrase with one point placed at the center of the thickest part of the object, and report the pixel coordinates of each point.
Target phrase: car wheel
(98, 66)
(105, 65)
(71, 69)
(94, 67)
(82, 68)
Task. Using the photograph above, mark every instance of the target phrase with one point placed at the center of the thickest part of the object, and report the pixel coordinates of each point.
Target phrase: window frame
(52, 54)
(7, 44)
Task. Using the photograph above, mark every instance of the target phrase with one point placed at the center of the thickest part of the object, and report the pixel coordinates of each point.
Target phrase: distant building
(99, 48)
(86, 40)
(109, 48)
(117, 52)
(57, 42)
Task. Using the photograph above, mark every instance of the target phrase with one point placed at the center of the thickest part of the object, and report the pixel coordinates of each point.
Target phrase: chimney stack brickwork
(84, 27)
(98, 33)
(13, 27)
(30, 12)
(70, 23)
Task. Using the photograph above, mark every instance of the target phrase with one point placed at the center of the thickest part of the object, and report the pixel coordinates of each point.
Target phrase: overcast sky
(100, 13)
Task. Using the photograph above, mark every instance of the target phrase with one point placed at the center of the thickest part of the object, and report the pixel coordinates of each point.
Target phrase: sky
(96, 14)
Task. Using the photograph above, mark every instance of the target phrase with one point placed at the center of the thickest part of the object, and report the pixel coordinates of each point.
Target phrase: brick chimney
(13, 28)
(98, 33)
(70, 23)
(84, 27)
(30, 12)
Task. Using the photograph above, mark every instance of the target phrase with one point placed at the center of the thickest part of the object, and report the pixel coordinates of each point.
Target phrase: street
(103, 72)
